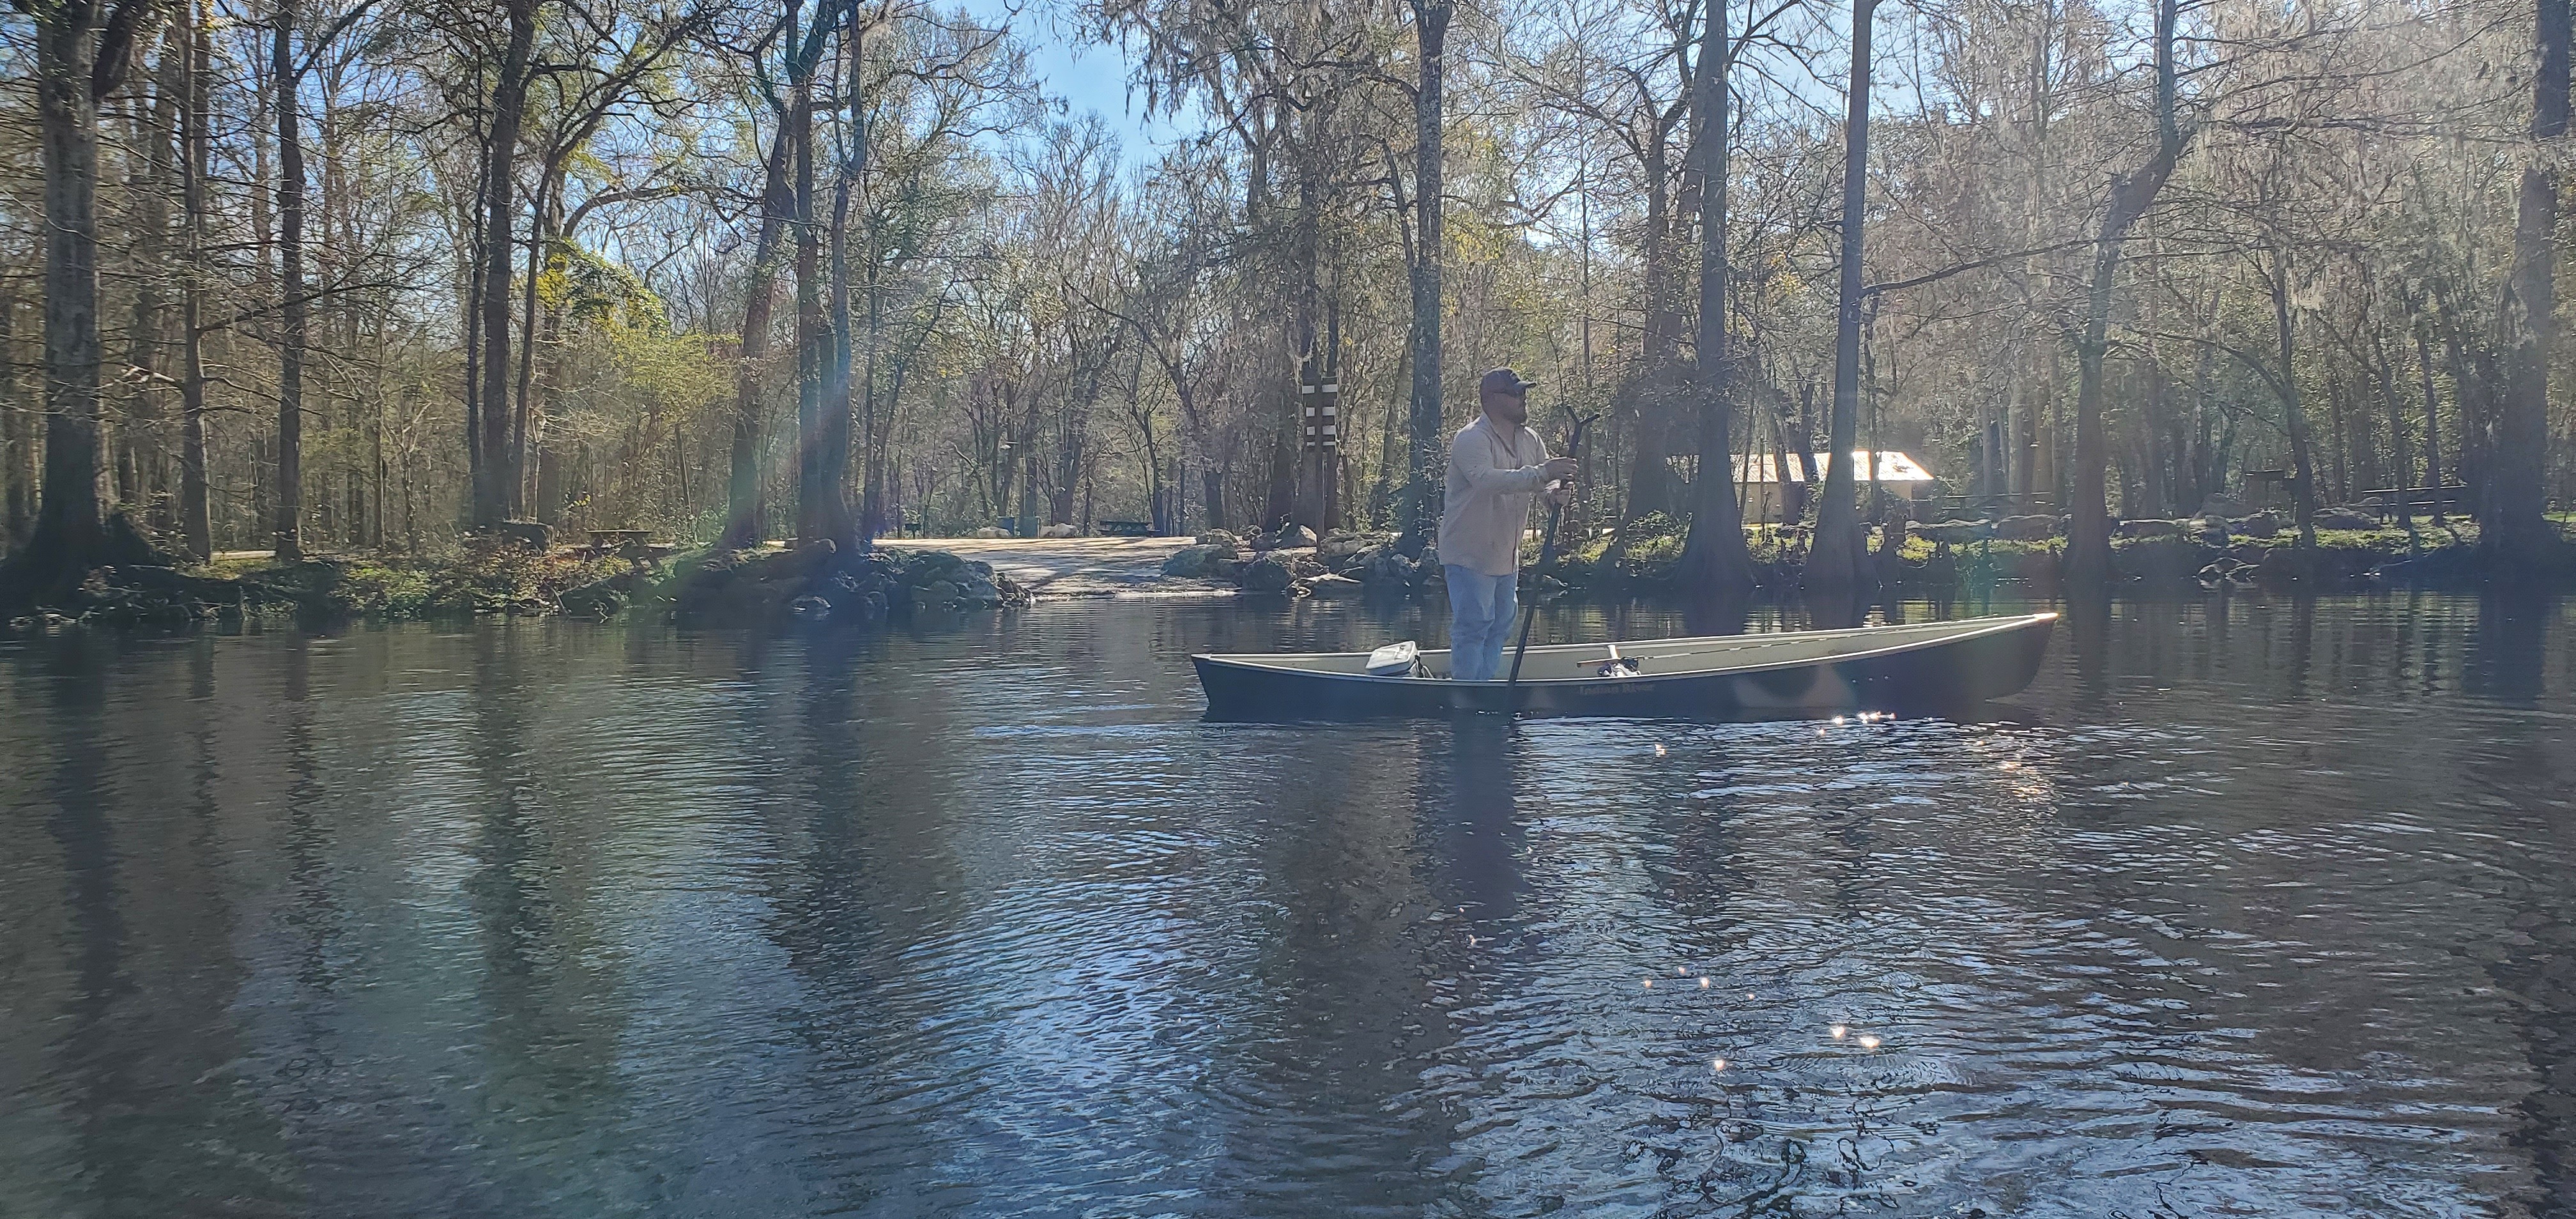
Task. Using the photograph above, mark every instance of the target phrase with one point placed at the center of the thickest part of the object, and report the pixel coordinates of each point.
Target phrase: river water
(2247, 907)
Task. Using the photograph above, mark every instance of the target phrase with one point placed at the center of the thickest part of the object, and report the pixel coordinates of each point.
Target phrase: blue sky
(1086, 76)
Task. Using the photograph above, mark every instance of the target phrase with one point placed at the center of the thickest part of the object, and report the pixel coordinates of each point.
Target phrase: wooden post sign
(1322, 442)
(1323, 414)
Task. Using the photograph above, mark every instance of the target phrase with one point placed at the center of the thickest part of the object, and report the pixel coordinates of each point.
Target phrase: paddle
(1546, 556)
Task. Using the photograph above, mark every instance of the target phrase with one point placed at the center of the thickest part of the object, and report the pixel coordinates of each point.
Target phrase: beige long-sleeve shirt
(1493, 477)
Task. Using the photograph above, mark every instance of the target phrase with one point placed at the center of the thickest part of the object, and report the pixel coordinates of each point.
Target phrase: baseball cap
(1504, 381)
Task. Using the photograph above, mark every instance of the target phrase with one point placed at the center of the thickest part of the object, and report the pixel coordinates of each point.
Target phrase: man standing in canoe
(1497, 466)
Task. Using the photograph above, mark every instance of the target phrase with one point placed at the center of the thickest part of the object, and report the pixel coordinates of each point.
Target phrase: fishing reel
(1615, 665)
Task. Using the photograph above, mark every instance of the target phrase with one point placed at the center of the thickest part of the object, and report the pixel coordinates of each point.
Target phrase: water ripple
(2250, 907)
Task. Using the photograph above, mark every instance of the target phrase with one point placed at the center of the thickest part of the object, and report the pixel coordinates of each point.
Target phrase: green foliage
(1655, 552)
(664, 373)
(1651, 526)
(482, 577)
(376, 590)
(1125, 319)
(584, 287)
(499, 577)
(1771, 543)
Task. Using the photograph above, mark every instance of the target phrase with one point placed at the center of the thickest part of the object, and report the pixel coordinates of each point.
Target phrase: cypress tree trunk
(1647, 398)
(81, 50)
(1423, 483)
(742, 484)
(1714, 561)
(2515, 537)
(525, 423)
(195, 523)
(810, 337)
(285, 79)
(496, 474)
(2399, 457)
(17, 436)
(2302, 455)
(837, 520)
(2432, 423)
(2342, 434)
(1026, 513)
(66, 50)
(2088, 542)
(142, 445)
(872, 497)
(1836, 563)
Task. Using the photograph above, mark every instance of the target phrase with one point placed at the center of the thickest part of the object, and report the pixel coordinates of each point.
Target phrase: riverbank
(765, 585)
(771, 585)
(506, 577)
(2150, 556)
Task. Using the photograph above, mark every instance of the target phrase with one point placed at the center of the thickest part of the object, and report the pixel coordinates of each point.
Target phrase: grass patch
(378, 590)
(504, 578)
(475, 579)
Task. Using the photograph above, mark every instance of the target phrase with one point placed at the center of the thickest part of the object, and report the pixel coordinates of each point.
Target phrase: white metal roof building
(1893, 467)
(1759, 477)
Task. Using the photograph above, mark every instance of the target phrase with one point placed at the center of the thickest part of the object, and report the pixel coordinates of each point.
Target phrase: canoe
(1918, 666)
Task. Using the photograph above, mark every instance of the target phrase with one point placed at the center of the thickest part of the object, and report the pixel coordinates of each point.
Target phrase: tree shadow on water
(2088, 633)
(2508, 660)
(1716, 615)
(1837, 610)
(1474, 818)
(2532, 955)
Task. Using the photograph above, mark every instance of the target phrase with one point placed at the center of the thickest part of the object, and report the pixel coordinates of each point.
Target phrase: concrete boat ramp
(1078, 567)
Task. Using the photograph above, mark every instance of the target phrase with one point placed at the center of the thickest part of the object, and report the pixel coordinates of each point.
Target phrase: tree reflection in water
(2248, 903)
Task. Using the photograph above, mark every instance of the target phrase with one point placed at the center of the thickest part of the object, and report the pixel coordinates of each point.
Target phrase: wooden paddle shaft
(1546, 553)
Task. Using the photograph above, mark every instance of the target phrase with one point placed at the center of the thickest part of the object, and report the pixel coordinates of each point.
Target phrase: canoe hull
(1944, 675)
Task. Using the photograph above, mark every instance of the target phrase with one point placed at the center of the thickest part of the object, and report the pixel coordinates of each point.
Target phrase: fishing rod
(1546, 557)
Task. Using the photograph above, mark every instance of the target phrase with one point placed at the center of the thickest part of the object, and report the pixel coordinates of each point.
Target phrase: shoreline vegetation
(520, 574)
(339, 277)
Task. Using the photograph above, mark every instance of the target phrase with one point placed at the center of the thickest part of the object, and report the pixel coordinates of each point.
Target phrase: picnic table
(633, 543)
(2426, 499)
(1127, 529)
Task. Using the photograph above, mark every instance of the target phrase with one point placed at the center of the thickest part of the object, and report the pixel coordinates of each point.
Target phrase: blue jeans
(1481, 609)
